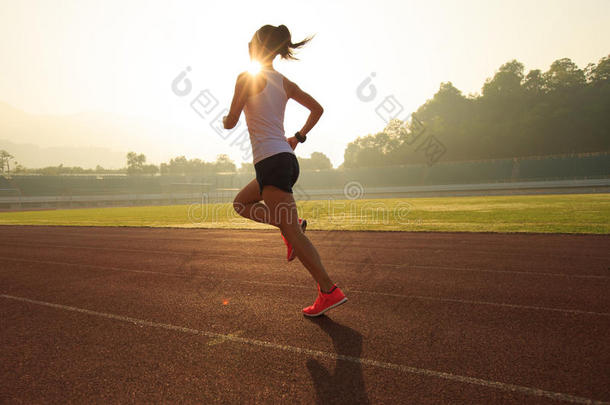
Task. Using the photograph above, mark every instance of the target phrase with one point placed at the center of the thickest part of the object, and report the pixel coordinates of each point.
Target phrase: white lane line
(347, 290)
(318, 353)
(347, 262)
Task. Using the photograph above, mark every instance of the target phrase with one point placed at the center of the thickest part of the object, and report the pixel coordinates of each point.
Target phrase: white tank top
(265, 118)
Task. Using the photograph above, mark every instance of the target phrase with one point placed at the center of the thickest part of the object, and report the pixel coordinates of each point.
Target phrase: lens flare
(254, 67)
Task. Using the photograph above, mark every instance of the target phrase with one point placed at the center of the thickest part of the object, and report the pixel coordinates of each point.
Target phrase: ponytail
(279, 41)
(286, 50)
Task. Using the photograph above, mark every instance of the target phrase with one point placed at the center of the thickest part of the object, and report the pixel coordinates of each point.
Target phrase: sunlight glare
(254, 67)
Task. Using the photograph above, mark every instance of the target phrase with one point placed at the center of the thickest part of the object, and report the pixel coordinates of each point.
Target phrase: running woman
(263, 99)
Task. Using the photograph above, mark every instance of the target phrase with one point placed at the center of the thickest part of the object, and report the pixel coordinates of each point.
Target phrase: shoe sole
(343, 301)
(304, 227)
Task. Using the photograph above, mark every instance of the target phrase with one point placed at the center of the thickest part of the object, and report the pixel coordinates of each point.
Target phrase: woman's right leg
(248, 204)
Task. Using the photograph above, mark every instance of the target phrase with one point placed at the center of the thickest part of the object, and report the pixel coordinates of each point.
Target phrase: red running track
(116, 315)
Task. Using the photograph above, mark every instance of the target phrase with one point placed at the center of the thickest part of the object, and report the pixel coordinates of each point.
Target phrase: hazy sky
(65, 57)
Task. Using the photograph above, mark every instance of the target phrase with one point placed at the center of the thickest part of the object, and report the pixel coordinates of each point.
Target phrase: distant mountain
(89, 139)
(33, 156)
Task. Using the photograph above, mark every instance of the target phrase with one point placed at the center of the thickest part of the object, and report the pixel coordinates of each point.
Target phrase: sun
(254, 67)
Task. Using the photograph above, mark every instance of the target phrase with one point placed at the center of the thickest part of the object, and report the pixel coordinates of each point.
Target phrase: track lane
(134, 363)
(559, 352)
(568, 293)
(576, 254)
(462, 340)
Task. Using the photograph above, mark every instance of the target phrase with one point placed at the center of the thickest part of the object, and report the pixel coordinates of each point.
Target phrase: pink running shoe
(324, 302)
(290, 253)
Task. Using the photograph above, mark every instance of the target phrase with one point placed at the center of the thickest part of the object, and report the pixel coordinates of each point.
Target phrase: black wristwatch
(300, 138)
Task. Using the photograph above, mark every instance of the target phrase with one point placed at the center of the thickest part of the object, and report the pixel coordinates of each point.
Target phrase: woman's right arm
(294, 92)
(240, 96)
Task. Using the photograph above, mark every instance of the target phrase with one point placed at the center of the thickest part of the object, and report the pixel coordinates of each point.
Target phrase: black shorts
(280, 170)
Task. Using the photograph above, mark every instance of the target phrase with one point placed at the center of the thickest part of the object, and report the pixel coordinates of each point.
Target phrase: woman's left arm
(239, 100)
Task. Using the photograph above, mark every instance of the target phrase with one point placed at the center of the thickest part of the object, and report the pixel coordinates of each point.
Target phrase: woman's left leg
(283, 211)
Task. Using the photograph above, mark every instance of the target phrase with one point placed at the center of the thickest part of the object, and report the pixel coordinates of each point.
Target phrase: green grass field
(587, 213)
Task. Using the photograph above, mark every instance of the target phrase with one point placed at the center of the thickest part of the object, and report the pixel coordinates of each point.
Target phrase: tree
(563, 110)
(224, 164)
(506, 82)
(564, 74)
(5, 161)
(246, 167)
(317, 161)
(135, 163)
(534, 83)
(599, 73)
(150, 169)
(366, 151)
(178, 165)
(182, 166)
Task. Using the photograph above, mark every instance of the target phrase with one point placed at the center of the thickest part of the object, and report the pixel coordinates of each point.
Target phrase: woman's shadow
(344, 385)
